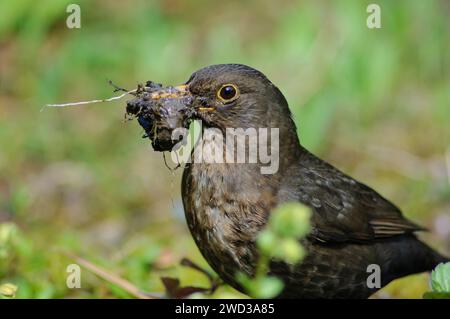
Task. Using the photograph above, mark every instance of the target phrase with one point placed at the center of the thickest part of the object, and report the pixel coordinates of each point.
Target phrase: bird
(228, 204)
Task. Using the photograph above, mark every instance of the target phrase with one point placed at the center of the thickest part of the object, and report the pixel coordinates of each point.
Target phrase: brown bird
(228, 204)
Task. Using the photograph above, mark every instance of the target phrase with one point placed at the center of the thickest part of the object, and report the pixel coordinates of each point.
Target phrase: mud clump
(161, 110)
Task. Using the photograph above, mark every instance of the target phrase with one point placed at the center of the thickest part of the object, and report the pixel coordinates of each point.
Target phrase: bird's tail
(408, 255)
(438, 258)
(429, 257)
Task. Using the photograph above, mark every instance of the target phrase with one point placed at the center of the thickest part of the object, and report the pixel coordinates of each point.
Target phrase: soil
(159, 117)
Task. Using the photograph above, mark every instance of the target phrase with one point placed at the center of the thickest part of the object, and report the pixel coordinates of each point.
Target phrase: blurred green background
(375, 103)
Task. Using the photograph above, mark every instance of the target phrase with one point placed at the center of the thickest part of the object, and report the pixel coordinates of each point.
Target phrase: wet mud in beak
(160, 110)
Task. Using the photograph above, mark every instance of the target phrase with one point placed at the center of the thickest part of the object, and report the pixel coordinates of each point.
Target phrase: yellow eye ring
(228, 93)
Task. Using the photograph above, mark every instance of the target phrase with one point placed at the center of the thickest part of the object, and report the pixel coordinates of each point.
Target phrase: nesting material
(160, 110)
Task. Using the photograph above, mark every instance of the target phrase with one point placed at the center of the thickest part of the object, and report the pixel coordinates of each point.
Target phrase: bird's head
(236, 96)
(224, 96)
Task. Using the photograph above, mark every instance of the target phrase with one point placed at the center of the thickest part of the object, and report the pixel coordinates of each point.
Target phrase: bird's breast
(225, 208)
(226, 205)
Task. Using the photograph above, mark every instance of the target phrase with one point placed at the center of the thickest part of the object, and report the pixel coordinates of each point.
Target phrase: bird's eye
(228, 93)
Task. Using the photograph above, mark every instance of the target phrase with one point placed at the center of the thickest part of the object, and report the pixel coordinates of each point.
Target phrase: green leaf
(266, 287)
(290, 251)
(290, 220)
(440, 278)
(436, 295)
(267, 242)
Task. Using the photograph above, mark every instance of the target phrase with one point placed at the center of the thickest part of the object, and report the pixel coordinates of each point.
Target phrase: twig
(189, 263)
(89, 102)
(214, 281)
(117, 88)
(102, 273)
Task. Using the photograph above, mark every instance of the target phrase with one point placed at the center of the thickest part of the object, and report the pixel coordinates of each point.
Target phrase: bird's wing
(344, 209)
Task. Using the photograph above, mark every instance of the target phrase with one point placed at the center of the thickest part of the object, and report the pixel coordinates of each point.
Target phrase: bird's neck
(269, 150)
